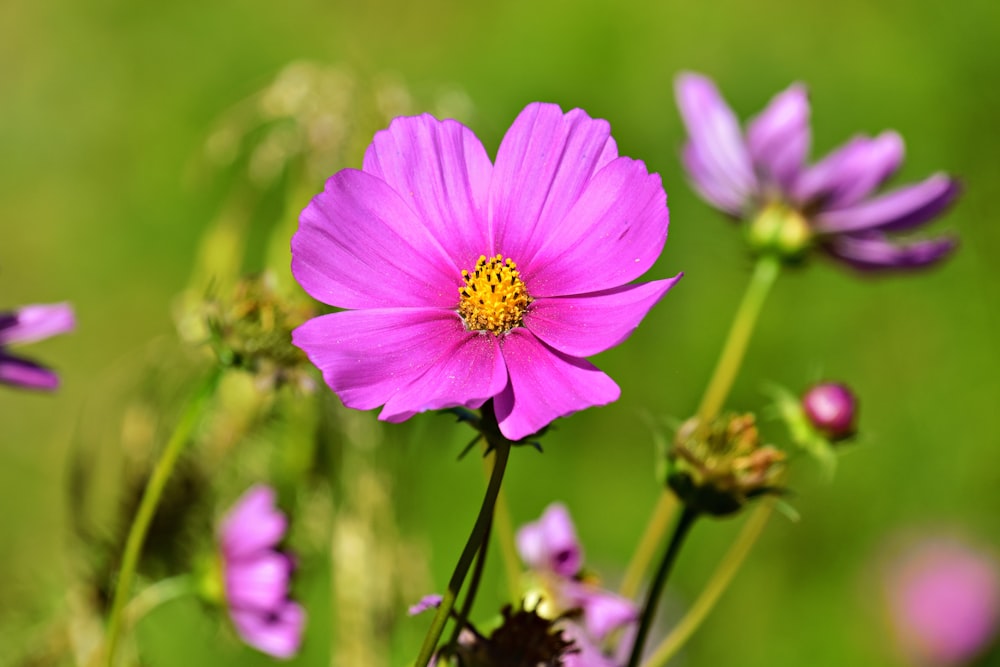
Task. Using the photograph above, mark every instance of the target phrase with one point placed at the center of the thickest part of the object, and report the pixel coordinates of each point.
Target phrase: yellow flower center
(494, 297)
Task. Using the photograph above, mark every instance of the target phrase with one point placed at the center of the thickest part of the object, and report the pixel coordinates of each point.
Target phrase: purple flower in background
(944, 602)
(762, 175)
(551, 550)
(465, 280)
(257, 576)
(26, 325)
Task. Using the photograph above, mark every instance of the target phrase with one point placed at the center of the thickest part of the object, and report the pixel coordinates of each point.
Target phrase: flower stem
(156, 594)
(470, 594)
(476, 541)
(504, 530)
(764, 275)
(147, 509)
(681, 528)
(713, 590)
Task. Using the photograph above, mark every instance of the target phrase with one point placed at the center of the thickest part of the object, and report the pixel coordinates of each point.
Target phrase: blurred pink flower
(465, 280)
(833, 201)
(257, 576)
(551, 550)
(25, 325)
(944, 602)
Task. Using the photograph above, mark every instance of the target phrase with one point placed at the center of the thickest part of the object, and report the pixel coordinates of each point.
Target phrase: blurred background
(114, 169)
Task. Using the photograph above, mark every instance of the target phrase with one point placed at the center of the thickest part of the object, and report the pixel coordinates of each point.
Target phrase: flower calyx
(782, 231)
(718, 468)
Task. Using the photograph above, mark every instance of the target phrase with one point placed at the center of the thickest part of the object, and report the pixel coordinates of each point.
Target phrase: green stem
(147, 509)
(476, 541)
(156, 594)
(504, 531)
(713, 590)
(764, 275)
(681, 528)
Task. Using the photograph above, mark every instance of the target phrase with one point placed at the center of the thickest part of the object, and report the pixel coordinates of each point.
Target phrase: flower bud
(717, 469)
(832, 409)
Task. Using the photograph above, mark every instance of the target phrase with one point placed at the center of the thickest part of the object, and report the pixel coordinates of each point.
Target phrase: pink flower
(25, 325)
(551, 550)
(944, 602)
(761, 174)
(465, 280)
(257, 576)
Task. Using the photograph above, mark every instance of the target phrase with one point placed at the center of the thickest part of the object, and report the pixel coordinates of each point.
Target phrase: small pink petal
(260, 582)
(550, 544)
(277, 632)
(254, 524)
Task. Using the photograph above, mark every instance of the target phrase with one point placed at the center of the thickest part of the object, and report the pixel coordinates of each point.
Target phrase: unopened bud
(832, 408)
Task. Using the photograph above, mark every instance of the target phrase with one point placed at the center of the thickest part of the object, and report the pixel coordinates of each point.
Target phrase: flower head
(25, 325)
(256, 576)
(944, 602)
(761, 175)
(719, 468)
(466, 280)
(550, 549)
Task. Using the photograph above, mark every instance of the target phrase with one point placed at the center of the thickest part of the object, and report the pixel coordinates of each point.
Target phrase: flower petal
(277, 633)
(874, 252)
(442, 170)
(581, 326)
(850, 173)
(467, 373)
(545, 161)
(550, 544)
(26, 374)
(900, 209)
(544, 385)
(715, 133)
(360, 245)
(708, 187)
(613, 234)
(260, 582)
(30, 323)
(368, 357)
(779, 137)
(603, 611)
(253, 524)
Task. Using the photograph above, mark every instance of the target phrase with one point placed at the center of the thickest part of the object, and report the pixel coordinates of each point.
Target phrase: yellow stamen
(494, 297)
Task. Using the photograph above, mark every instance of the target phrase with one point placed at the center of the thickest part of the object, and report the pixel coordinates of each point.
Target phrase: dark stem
(681, 528)
(470, 594)
(476, 541)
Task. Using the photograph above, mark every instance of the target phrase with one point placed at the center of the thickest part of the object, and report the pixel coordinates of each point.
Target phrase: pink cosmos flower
(832, 202)
(944, 602)
(25, 325)
(465, 280)
(551, 550)
(257, 576)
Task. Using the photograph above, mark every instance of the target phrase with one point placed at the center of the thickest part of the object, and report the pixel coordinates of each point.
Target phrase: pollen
(493, 297)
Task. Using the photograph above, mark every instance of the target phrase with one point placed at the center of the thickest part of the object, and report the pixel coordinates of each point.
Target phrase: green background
(103, 105)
